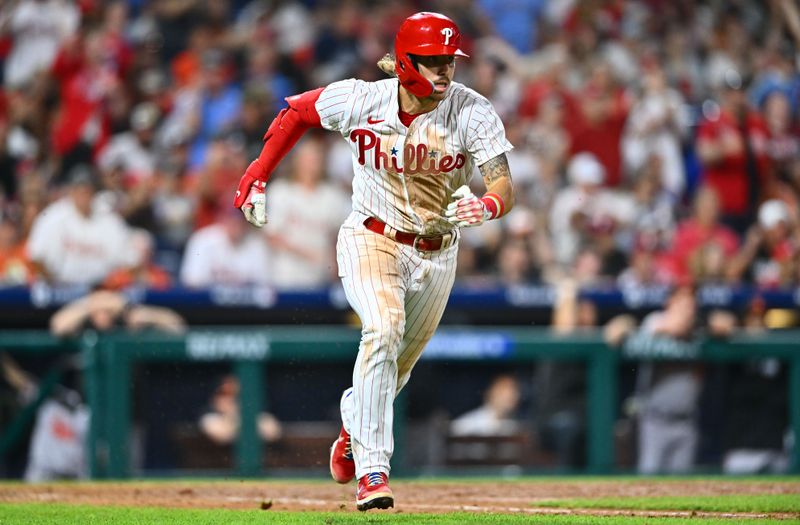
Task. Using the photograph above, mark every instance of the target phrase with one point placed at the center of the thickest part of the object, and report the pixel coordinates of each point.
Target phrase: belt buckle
(447, 240)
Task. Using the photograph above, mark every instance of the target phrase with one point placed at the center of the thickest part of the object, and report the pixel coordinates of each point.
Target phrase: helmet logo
(448, 34)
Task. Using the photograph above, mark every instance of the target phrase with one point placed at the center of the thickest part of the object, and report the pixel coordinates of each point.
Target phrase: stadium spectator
(263, 75)
(223, 165)
(173, 207)
(185, 67)
(582, 207)
(769, 251)
(57, 448)
(221, 421)
(497, 416)
(516, 21)
(656, 127)
(515, 266)
(15, 268)
(696, 233)
(106, 310)
(257, 104)
(75, 241)
(603, 111)
(145, 273)
(644, 269)
(225, 253)
(492, 80)
(216, 106)
(32, 198)
(548, 142)
(89, 75)
(682, 65)
(305, 211)
(336, 50)
(731, 144)
(783, 144)
(131, 151)
(653, 210)
(545, 78)
(127, 164)
(27, 119)
(37, 29)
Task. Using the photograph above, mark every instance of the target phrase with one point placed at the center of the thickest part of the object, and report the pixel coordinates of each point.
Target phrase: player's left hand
(250, 197)
(467, 210)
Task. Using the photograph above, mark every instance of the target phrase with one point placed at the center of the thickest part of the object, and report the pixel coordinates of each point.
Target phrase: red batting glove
(253, 173)
(250, 196)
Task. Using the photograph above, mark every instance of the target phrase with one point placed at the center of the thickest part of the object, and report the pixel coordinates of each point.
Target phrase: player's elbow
(509, 201)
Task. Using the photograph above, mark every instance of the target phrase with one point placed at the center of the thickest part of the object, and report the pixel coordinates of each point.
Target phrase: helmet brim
(436, 50)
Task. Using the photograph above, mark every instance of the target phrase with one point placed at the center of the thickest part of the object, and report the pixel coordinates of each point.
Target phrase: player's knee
(385, 335)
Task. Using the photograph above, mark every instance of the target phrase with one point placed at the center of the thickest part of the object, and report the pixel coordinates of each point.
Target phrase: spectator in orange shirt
(186, 66)
(145, 273)
(15, 267)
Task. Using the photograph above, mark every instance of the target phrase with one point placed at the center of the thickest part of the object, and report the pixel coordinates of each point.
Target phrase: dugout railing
(107, 361)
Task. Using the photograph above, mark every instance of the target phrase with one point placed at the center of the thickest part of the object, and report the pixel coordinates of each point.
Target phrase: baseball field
(558, 500)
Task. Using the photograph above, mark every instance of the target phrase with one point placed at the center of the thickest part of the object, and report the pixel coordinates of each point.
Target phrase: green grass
(724, 503)
(45, 513)
(590, 478)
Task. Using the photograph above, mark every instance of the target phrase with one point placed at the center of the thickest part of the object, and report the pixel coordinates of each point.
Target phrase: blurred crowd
(656, 142)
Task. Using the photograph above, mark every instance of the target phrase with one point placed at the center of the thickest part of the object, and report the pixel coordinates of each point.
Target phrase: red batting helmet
(424, 34)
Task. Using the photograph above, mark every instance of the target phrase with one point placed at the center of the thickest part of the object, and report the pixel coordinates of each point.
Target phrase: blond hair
(386, 64)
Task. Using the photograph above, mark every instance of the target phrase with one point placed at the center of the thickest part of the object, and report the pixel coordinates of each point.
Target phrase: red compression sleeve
(287, 128)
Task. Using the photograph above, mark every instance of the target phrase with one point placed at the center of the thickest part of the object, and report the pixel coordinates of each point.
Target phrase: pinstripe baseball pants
(399, 294)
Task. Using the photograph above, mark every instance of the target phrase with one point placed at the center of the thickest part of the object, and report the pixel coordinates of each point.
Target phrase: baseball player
(415, 139)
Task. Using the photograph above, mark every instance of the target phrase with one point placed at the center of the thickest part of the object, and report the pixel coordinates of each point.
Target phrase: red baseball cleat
(374, 492)
(343, 468)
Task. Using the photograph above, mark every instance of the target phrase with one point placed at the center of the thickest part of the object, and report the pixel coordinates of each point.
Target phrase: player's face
(439, 69)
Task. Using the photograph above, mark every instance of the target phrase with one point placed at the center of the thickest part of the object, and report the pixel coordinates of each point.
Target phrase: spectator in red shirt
(694, 234)
(87, 79)
(604, 110)
(219, 172)
(731, 144)
(549, 84)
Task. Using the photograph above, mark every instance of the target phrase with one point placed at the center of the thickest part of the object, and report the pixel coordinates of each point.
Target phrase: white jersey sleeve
(335, 104)
(40, 241)
(485, 136)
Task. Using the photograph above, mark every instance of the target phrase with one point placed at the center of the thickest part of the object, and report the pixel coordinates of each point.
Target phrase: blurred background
(657, 220)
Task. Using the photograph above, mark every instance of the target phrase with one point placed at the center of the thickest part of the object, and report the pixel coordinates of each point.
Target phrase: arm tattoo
(495, 169)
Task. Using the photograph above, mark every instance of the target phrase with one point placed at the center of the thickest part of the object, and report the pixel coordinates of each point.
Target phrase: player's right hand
(250, 197)
(468, 210)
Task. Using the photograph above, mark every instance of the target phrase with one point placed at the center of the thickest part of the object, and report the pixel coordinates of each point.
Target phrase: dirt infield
(411, 496)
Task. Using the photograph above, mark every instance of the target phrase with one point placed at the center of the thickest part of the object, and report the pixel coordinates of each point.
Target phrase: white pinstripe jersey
(406, 176)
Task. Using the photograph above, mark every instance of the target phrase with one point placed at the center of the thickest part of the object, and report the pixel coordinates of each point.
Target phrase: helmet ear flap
(410, 77)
